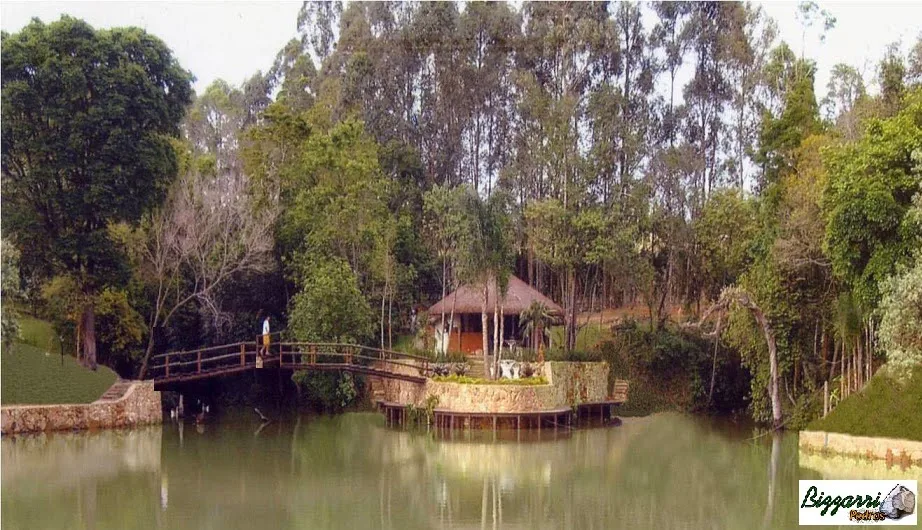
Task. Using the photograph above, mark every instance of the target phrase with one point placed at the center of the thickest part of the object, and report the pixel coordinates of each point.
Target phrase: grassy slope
(31, 371)
(884, 408)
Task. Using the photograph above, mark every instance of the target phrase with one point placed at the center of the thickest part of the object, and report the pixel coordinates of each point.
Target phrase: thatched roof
(519, 297)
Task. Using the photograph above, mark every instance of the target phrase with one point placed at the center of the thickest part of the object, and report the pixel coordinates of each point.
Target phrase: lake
(351, 471)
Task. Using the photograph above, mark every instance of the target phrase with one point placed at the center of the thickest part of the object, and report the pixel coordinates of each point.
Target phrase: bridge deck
(218, 361)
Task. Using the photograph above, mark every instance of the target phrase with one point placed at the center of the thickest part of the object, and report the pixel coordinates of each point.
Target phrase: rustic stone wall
(140, 405)
(569, 384)
(861, 446)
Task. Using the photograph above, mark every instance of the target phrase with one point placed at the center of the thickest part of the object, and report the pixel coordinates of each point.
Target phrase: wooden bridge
(217, 361)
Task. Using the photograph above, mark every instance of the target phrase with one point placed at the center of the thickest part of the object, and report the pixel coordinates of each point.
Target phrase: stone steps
(116, 391)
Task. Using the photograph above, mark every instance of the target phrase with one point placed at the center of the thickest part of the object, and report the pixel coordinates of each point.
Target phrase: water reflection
(668, 471)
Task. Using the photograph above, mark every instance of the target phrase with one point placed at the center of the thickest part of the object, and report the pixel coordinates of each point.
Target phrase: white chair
(506, 369)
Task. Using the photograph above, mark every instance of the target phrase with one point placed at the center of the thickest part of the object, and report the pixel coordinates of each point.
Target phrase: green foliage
(326, 391)
(725, 232)
(781, 136)
(886, 407)
(87, 120)
(9, 291)
(870, 189)
(34, 375)
(119, 331)
(900, 330)
(465, 380)
(670, 369)
(330, 307)
(535, 322)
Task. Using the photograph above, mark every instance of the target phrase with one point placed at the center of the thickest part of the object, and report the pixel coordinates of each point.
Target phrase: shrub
(528, 370)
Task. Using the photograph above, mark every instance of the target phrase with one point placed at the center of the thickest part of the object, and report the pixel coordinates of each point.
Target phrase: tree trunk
(451, 325)
(383, 300)
(570, 320)
(484, 322)
(502, 326)
(773, 366)
(147, 354)
(540, 341)
(444, 282)
(714, 363)
(89, 336)
(497, 346)
(390, 320)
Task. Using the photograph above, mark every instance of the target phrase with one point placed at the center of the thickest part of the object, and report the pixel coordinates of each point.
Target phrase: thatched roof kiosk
(467, 301)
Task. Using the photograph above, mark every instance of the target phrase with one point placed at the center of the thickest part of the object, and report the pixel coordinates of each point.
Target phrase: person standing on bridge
(265, 349)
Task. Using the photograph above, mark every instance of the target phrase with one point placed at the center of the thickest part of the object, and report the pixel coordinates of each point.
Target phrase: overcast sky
(232, 40)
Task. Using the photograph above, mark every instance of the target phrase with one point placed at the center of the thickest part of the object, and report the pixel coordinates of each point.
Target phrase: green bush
(326, 391)
(886, 407)
(670, 369)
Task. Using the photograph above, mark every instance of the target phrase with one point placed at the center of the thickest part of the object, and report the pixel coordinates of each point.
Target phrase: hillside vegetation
(884, 408)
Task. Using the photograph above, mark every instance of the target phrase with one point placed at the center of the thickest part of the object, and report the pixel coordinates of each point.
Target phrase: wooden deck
(179, 367)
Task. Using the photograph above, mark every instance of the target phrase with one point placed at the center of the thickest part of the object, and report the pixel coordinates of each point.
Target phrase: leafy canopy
(87, 119)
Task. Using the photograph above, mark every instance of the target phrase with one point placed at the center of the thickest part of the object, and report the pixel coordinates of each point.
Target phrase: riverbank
(131, 403)
(895, 451)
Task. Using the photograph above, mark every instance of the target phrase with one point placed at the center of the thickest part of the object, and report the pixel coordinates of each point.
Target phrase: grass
(587, 338)
(32, 373)
(39, 334)
(884, 408)
(465, 380)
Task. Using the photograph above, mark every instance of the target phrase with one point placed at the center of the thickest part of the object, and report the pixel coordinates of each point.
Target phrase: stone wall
(569, 384)
(140, 405)
(861, 446)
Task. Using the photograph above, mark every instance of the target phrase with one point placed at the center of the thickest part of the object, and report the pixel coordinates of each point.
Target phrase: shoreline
(895, 451)
(136, 404)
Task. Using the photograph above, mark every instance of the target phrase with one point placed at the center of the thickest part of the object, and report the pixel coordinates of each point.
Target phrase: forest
(665, 156)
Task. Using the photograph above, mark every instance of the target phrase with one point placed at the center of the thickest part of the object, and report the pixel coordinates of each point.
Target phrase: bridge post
(167, 365)
(198, 365)
(243, 359)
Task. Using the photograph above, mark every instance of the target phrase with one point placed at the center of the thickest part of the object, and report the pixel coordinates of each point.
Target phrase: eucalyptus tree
(88, 117)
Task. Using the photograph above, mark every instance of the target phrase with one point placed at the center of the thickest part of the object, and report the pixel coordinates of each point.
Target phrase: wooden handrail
(210, 348)
(322, 355)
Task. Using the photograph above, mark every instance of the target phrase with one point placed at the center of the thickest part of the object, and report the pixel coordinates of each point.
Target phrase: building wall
(140, 405)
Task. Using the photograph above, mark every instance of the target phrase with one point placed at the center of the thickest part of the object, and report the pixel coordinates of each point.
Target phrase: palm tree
(535, 322)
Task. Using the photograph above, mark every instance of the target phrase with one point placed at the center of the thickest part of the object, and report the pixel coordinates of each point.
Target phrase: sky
(232, 40)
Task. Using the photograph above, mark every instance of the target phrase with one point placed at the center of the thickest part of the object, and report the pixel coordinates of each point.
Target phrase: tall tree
(87, 120)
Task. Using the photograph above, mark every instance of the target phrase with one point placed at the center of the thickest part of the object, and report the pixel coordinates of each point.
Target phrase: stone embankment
(125, 404)
(893, 450)
(568, 385)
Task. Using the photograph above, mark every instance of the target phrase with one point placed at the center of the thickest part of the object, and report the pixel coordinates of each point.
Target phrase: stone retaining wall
(861, 446)
(569, 384)
(140, 405)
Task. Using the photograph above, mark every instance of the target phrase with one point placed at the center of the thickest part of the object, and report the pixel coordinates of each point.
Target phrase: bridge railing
(228, 358)
(203, 360)
(323, 355)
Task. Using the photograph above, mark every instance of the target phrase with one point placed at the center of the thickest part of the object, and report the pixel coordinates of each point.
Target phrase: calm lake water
(351, 471)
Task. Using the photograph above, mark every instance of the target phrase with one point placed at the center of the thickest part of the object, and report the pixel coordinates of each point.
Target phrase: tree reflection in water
(350, 471)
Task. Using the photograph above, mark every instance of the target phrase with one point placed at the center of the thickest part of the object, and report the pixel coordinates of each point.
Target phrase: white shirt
(266, 327)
